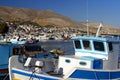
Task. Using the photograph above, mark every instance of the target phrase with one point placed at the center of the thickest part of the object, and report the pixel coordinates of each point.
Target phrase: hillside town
(36, 32)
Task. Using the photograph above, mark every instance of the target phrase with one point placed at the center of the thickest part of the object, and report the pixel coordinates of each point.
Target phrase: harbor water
(65, 45)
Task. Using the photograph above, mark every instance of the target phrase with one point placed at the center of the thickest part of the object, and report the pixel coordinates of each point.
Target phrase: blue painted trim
(89, 38)
(92, 52)
(81, 44)
(92, 46)
(105, 46)
(98, 75)
(33, 76)
(80, 74)
(87, 58)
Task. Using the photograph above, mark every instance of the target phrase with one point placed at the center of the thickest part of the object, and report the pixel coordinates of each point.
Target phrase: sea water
(65, 45)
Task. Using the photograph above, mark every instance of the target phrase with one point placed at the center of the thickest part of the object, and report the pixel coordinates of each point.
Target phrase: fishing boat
(7, 49)
(94, 58)
(17, 40)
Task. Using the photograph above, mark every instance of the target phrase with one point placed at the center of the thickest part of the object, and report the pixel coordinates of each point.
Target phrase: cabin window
(99, 46)
(83, 63)
(110, 46)
(67, 61)
(86, 44)
(77, 44)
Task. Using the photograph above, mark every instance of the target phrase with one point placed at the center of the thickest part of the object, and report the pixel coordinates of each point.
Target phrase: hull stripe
(84, 74)
(33, 75)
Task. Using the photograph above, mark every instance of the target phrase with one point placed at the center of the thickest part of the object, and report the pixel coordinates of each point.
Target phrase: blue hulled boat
(94, 58)
(7, 49)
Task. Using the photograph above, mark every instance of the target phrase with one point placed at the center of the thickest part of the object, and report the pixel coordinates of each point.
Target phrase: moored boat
(7, 49)
(94, 58)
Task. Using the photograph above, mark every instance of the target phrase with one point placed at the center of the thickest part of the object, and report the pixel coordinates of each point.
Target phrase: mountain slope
(39, 16)
(48, 17)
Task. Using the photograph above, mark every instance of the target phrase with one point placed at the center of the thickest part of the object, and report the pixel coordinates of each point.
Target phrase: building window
(77, 44)
(99, 46)
(86, 44)
(67, 61)
(110, 46)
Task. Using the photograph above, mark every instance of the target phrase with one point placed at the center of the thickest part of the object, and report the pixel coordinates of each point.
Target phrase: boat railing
(113, 37)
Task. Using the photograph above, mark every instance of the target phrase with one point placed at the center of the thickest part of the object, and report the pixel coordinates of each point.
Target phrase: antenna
(87, 17)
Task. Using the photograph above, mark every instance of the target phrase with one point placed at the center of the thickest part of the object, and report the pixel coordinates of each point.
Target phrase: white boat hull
(75, 74)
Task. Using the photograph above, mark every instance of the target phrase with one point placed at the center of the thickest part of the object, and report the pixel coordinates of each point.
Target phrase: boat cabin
(91, 53)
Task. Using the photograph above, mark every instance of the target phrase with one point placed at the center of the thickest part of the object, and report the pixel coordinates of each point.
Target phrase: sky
(106, 11)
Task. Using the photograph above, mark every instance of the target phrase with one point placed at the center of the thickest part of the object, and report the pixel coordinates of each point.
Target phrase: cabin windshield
(77, 44)
(99, 46)
(86, 44)
(110, 46)
(91, 45)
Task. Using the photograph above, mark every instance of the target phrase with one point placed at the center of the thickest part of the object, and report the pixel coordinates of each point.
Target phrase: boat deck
(49, 66)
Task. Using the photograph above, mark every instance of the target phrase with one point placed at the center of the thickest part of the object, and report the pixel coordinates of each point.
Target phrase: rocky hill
(48, 17)
(42, 17)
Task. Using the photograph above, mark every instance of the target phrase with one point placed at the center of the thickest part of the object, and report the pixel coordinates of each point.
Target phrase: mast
(87, 17)
(99, 29)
